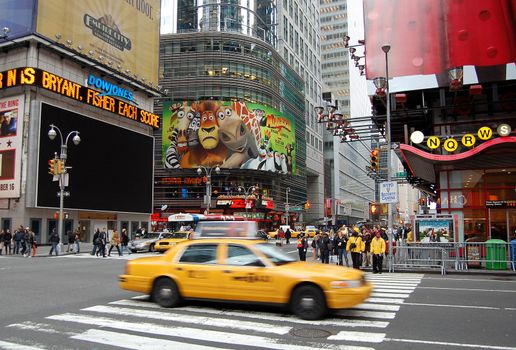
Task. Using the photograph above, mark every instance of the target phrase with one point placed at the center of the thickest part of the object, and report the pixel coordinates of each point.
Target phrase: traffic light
(374, 211)
(52, 166)
(308, 205)
(60, 166)
(375, 160)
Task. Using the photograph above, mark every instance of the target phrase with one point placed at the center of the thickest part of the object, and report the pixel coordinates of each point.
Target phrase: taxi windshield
(275, 255)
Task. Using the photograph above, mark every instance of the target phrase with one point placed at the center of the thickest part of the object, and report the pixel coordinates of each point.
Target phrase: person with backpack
(302, 246)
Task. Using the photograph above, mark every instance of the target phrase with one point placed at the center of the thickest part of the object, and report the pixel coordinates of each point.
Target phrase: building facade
(74, 73)
(453, 111)
(223, 57)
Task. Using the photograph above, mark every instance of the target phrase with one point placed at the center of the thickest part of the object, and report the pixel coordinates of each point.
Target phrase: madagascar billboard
(230, 134)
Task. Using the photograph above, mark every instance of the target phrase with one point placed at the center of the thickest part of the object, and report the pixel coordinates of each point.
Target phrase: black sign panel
(112, 167)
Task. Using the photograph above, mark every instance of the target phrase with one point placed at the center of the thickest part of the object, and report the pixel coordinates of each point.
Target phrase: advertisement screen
(234, 135)
(120, 34)
(11, 138)
(111, 169)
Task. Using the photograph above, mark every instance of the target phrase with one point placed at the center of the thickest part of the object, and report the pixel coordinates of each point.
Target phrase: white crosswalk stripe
(140, 324)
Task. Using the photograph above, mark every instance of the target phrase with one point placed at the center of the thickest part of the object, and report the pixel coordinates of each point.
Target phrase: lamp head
(52, 133)
(380, 82)
(199, 171)
(217, 169)
(386, 48)
(76, 139)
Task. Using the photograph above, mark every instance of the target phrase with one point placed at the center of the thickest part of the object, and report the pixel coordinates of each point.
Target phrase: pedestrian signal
(374, 209)
(375, 160)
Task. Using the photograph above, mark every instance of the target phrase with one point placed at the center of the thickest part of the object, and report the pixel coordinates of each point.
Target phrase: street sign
(388, 192)
(296, 208)
(65, 194)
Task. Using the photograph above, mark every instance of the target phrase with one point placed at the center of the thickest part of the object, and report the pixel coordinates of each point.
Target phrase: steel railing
(457, 256)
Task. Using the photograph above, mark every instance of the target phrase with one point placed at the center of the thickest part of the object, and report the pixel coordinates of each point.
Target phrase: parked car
(146, 242)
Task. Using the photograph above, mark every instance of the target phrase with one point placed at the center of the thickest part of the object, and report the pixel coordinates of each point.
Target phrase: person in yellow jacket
(355, 246)
(377, 251)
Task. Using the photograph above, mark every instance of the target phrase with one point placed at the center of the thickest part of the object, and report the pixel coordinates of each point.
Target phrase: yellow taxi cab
(244, 270)
(311, 231)
(163, 244)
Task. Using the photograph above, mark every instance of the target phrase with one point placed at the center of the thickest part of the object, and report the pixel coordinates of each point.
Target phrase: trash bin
(495, 255)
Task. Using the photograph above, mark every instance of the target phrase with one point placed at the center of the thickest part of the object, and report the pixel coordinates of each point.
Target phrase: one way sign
(389, 192)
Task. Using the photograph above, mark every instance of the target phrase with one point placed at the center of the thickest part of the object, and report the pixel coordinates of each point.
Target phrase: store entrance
(502, 224)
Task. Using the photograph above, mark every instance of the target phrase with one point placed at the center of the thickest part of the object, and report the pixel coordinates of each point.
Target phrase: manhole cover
(310, 333)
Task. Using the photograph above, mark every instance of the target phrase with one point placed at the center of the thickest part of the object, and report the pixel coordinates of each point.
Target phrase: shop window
(500, 178)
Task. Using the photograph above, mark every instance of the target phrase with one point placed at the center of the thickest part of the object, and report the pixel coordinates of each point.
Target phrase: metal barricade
(420, 255)
(490, 255)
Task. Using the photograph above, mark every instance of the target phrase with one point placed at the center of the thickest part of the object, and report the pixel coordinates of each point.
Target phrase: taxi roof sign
(226, 229)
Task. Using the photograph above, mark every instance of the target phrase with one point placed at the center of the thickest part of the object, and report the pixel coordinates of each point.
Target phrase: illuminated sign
(233, 134)
(46, 80)
(468, 140)
(109, 89)
(450, 144)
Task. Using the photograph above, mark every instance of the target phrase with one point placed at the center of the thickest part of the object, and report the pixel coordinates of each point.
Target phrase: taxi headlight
(346, 284)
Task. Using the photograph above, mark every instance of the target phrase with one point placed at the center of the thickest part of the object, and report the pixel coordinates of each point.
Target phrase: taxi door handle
(179, 268)
(227, 271)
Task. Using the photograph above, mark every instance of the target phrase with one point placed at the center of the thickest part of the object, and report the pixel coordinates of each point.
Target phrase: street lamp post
(246, 191)
(386, 48)
(63, 177)
(287, 190)
(208, 171)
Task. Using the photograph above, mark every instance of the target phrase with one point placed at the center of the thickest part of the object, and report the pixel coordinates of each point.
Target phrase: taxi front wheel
(165, 293)
(308, 303)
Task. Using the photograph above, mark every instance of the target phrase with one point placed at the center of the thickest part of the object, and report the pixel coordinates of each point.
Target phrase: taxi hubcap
(307, 303)
(165, 292)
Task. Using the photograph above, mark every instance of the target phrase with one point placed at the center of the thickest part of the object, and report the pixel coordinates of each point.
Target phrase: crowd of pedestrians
(358, 247)
(22, 242)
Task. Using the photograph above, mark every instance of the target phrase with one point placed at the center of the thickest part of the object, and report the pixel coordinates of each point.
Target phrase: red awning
(496, 153)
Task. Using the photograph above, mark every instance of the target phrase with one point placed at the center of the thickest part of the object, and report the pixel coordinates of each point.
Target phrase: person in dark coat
(95, 242)
(54, 240)
(288, 234)
(324, 246)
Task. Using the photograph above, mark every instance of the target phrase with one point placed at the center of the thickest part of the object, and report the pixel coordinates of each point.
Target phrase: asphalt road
(73, 302)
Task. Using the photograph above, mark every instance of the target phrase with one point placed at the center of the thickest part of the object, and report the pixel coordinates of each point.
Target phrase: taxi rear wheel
(151, 248)
(308, 303)
(165, 293)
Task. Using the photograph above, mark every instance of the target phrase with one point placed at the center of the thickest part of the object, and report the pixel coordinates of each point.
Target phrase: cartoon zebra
(172, 158)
